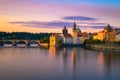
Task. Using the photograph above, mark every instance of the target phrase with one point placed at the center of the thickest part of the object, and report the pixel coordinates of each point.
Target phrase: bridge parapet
(26, 41)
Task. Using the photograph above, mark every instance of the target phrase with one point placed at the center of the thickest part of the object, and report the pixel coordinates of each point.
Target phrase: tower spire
(74, 20)
(64, 26)
(74, 25)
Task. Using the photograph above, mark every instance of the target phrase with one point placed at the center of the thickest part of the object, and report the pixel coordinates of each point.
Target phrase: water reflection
(95, 64)
(52, 51)
(59, 64)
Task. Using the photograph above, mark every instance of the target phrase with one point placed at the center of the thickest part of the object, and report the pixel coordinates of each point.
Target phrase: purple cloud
(93, 23)
(52, 24)
(55, 24)
(81, 18)
(94, 27)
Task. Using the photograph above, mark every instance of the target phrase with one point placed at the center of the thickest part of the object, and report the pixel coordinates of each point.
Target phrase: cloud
(52, 24)
(57, 24)
(93, 23)
(94, 27)
(97, 23)
(81, 18)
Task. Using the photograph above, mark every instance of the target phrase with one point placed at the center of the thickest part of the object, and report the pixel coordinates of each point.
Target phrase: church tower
(74, 33)
(65, 31)
(74, 29)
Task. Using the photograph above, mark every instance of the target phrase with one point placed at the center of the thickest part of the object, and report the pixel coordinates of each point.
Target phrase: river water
(58, 64)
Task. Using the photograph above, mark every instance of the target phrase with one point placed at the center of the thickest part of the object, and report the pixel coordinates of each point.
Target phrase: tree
(45, 40)
(90, 41)
(59, 41)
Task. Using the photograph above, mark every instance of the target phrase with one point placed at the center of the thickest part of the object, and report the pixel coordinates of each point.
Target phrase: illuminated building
(76, 38)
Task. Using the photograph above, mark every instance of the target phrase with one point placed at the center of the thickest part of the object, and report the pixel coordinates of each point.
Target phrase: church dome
(78, 29)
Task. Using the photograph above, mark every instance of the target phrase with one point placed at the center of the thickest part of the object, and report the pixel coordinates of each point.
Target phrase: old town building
(117, 32)
(76, 38)
(108, 34)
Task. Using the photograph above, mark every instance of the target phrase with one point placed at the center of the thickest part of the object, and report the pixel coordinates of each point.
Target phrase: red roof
(67, 35)
(80, 34)
(94, 34)
(101, 31)
(55, 34)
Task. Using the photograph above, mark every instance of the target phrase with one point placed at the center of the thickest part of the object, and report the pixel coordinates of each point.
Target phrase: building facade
(108, 34)
(117, 37)
(76, 33)
(67, 38)
(101, 35)
(77, 37)
(55, 39)
(95, 36)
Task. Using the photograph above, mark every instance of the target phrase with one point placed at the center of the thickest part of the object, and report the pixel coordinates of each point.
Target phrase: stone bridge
(26, 41)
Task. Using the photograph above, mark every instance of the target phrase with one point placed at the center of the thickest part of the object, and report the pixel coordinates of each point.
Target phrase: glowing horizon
(51, 15)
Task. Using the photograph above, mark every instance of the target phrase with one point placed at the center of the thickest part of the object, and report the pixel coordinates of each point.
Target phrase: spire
(74, 21)
(74, 25)
(64, 27)
(108, 27)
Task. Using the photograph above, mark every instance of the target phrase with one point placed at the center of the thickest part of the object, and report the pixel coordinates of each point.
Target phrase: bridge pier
(1, 43)
(14, 42)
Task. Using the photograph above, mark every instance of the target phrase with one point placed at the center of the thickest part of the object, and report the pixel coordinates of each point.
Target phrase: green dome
(78, 29)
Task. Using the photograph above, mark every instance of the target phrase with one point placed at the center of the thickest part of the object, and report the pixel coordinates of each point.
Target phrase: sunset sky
(51, 15)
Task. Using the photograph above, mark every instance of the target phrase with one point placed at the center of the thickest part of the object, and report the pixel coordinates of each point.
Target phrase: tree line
(23, 35)
(44, 37)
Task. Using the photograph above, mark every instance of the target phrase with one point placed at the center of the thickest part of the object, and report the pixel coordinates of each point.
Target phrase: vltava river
(58, 64)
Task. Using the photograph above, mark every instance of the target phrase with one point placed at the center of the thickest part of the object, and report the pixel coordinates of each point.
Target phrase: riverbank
(102, 47)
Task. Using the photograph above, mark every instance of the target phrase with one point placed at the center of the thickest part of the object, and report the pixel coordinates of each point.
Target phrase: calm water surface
(58, 64)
